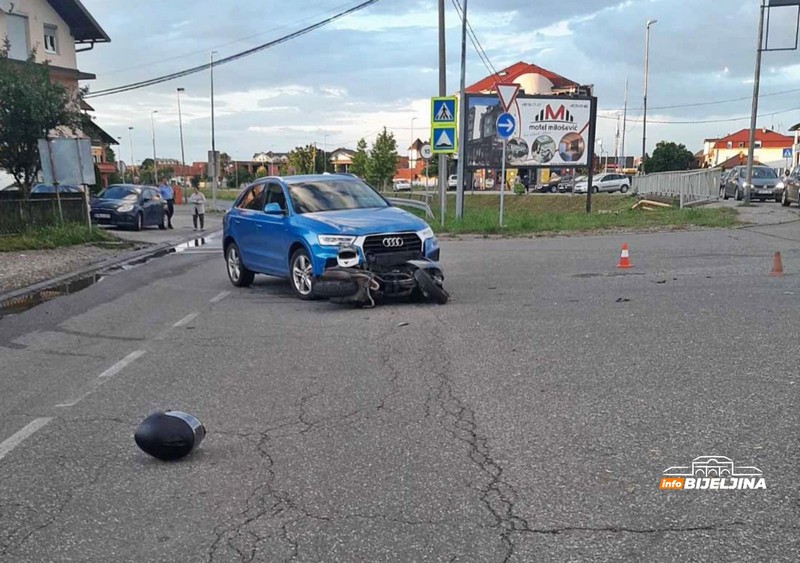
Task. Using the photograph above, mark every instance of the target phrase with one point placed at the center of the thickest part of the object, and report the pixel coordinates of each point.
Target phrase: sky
(379, 67)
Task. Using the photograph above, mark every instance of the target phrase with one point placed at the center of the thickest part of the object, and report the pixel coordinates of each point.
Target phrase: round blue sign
(506, 125)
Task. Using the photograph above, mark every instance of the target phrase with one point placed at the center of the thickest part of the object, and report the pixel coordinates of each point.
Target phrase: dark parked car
(126, 205)
(764, 181)
(51, 189)
(788, 191)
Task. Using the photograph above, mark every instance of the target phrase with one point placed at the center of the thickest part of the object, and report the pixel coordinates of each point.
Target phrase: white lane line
(220, 297)
(186, 320)
(103, 377)
(120, 365)
(10, 443)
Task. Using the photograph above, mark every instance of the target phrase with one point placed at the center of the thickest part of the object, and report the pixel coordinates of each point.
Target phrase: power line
(240, 55)
(476, 44)
(728, 120)
(220, 46)
(712, 103)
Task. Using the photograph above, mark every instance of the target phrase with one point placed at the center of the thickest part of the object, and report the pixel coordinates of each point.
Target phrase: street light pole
(644, 107)
(754, 111)
(130, 142)
(412, 161)
(213, 141)
(442, 92)
(155, 163)
(180, 125)
(325, 153)
(119, 159)
(462, 119)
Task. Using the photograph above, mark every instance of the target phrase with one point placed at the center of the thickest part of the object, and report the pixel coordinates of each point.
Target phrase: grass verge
(222, 194)
(53, 237)
(561, 214)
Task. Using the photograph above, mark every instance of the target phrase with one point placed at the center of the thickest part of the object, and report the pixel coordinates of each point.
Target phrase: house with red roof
(769, 148)
(532, 79)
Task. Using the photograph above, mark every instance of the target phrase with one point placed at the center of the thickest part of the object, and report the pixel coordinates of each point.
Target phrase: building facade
(770, 148)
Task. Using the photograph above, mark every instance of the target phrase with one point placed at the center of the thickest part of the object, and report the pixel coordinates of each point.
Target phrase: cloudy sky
(379, 67)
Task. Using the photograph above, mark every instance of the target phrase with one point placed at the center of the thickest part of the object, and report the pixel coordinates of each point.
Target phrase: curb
(92, 268)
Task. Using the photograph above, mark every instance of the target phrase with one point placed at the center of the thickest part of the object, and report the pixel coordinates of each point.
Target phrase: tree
(382, 160)
(360, 160)
(243, 175)
(303, 159)
(669, 156)
(261, 172)
(31, 108)
(110, 155)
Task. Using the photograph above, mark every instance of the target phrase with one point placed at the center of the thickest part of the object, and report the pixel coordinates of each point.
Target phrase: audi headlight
(425, 234)
(125, 208)
(335, 240)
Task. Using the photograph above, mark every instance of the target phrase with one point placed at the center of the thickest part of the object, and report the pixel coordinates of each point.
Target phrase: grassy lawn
(557, 214)
(222, 194)
(53, 237)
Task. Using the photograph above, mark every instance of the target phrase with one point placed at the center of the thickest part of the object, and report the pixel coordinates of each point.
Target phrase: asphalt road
(530, 419)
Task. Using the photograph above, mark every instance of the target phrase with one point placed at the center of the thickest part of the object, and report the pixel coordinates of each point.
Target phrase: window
(741, 145)
(253, 198)
(275, 195)
(51, 39)
(729, 144)
(17, 33)
(758, 144)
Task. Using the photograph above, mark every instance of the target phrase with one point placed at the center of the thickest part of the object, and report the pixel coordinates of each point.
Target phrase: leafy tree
(669, 156)
(110, 155)
(31, 108)
(147, 163)
(360, 160)
(382, 160)
(303, 160)
(244, 176)
(261, 172)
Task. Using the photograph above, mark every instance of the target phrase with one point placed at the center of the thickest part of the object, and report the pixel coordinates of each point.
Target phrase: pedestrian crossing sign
(444, 140)
(443, 111)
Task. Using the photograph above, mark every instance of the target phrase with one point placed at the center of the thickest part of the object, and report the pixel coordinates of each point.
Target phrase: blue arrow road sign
(506, 125)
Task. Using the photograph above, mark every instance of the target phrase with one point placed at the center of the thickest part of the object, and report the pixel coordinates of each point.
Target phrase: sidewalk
(181, 220)
(766, 213)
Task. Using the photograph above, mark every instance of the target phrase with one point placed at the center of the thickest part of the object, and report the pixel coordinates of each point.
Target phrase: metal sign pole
(55, 179)
(590, 151)
(503, 181)
(85, 185)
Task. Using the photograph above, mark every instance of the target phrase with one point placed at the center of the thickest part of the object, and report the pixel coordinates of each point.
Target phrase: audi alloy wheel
(302, 275)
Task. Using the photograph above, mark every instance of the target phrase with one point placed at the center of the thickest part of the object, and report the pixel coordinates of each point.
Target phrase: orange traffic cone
(624, 259)
(777, 265)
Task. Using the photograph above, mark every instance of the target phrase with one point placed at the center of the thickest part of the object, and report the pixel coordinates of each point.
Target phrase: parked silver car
(606, 182)
(764, 181)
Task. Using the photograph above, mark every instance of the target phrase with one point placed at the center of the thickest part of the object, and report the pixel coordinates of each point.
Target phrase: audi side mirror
(273, 209)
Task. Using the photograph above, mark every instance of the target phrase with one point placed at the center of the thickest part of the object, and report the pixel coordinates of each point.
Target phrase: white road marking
(120, 365)
(10, 443)
(220, 297)
(186, 320)
(103, 377)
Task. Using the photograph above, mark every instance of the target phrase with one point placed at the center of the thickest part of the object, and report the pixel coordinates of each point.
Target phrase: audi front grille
(392, 243)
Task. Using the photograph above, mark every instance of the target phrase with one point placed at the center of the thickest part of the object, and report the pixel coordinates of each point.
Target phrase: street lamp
(644, 107)
(130, 141)
(180, 125)
(325, 154)
(213, 140)
(155, 163)
(411, 161)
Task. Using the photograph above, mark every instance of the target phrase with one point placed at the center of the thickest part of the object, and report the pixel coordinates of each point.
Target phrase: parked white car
(402, 186)
(607, 182)
(452, 181)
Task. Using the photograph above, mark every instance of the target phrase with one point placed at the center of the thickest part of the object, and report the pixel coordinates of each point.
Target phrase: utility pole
(155, 162)
(214, 160)
(130, 142)
(754, 111)
(442, 92)
(462, 114)
(644, 107)
(180, 125)
(624, 125)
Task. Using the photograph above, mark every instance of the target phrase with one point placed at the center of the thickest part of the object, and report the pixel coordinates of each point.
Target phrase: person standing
(169, 195)
(199, 202)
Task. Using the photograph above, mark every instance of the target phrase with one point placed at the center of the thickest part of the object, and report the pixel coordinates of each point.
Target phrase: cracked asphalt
(530, 419)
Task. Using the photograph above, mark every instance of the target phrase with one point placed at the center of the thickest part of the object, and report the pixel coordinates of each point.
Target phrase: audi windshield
(314, 196)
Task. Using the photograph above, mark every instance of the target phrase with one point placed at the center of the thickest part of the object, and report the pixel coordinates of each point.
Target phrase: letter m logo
(557, 115)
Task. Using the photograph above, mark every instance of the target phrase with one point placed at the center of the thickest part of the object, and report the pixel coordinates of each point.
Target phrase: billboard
(552, 131)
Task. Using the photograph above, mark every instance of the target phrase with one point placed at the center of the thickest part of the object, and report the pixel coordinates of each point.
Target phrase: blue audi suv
(331, 236)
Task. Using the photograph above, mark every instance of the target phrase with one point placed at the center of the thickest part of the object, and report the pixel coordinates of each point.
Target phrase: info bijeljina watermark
(712, 472)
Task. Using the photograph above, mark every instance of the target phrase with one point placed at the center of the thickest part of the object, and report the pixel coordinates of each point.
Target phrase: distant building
(341, 159)
(769, 148)
(53, 28)
(272, 161)
(532, 79)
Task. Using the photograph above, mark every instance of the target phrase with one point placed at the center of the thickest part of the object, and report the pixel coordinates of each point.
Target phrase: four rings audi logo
(393, 242)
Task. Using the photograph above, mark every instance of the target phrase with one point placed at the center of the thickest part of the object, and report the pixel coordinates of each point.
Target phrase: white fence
(690, 187)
